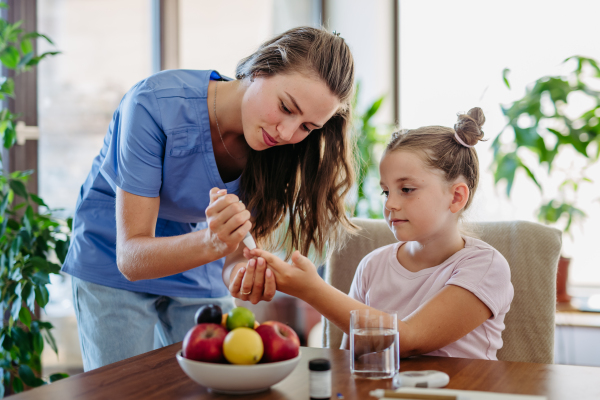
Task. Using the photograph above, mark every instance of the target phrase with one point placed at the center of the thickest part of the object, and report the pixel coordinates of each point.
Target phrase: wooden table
(156, 375)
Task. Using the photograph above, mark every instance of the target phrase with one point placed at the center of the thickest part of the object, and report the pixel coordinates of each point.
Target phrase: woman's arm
(447, 317)
(141, 255)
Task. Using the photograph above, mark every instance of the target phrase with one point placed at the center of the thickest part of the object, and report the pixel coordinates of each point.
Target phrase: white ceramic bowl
(237, 379)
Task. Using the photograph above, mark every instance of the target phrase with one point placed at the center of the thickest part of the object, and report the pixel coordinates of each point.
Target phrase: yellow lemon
(243, 346)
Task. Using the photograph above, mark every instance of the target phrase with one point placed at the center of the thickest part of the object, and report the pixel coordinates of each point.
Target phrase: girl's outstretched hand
(295, 279)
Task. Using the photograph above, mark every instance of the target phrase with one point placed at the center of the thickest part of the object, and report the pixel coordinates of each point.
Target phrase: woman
(192, 162)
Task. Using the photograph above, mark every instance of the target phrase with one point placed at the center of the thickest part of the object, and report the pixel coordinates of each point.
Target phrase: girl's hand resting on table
(295, 279)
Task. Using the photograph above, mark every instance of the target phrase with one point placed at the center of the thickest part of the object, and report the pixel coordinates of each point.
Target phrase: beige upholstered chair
(532, 251)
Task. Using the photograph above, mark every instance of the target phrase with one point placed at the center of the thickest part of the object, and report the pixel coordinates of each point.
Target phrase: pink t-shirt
(383, 283)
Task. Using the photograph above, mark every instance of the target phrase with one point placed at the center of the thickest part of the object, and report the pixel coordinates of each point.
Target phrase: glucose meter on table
(424, 379)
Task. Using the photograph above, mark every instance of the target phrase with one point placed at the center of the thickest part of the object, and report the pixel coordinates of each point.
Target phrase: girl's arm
(141, 255)
(447, 317)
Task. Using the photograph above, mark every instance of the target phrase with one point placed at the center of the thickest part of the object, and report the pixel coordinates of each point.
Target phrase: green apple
(240, 317)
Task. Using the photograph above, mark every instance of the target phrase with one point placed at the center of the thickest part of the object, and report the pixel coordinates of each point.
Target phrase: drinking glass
(374, 344)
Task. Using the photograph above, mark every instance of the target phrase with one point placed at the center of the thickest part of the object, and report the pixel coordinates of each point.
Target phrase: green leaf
(35, 35)
(27, 375)
(61, 247)
(18, 187)
(17, 385)
(7, 341)
(40, 278)
(16, 308)
(505, 169)
(58, 377)
(10, 57)
(8, 88)
(505, 73)
(10, 136)
(38, 200)
(26, 46)
(50, 340)
(25, 316)
(41, 296)
(3, 205)
(28, 295)
(36, 60)
(38, 343)
(3, 5)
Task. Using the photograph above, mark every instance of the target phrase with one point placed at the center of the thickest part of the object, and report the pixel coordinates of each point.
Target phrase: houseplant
(539, 127)
(31, 243)
(371, 140)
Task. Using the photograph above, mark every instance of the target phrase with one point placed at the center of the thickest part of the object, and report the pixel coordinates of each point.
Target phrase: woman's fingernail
(222, 191)
(261, 261)
(269, 273)
(242, 270)
(252, 262)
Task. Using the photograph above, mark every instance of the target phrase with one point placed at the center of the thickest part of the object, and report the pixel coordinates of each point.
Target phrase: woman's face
(284, 108)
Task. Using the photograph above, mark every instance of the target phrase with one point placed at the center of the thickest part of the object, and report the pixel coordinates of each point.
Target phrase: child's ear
(460, 196)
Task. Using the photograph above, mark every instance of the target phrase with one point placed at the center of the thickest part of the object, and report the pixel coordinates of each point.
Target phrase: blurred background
(417, 63)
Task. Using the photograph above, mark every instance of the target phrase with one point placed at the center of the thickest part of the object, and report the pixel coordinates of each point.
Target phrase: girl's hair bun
(468, 127)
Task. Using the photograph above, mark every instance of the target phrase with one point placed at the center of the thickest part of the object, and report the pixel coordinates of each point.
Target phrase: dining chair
(532, 251)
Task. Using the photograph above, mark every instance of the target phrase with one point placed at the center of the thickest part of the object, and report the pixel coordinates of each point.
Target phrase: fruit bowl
(237, 379)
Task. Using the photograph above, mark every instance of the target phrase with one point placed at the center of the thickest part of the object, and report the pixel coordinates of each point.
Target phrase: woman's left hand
(295, 279)
(254, 282)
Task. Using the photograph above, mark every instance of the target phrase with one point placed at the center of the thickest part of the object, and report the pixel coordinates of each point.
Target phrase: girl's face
(418, 203)
(284, 108)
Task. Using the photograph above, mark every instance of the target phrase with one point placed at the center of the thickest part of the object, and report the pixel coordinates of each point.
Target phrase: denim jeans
(116, 324)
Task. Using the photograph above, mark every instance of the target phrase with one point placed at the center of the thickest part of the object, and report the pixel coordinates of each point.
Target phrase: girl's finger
(248, 280)
(270, 286)
(276, 263)
(236, 283)
(298, 260)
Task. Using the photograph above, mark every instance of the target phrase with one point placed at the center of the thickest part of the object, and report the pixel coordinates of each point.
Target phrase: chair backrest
(532, 251)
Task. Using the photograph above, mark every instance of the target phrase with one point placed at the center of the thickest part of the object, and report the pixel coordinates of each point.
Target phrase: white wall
(452, 57)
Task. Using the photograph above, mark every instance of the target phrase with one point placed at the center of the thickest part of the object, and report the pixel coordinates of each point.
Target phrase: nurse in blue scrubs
(192, 162)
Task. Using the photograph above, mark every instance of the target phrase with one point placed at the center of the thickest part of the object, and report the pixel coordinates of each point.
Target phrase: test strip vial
(319, 379)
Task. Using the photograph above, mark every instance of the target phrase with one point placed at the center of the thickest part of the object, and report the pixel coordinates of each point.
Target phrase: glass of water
(374, 344)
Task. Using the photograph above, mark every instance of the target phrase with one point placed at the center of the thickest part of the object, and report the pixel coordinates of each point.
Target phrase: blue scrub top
(158, 144)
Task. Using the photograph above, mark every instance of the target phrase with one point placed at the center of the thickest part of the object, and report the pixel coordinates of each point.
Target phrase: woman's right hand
(228, 221)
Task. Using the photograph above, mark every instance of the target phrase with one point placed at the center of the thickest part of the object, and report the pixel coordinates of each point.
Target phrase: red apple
(204, 342)
(279, 340)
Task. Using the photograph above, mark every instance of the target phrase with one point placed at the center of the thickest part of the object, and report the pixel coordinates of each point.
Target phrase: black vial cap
(319, 364)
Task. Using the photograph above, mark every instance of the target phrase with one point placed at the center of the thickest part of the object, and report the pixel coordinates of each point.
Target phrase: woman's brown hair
(302, 187)
(442, 150)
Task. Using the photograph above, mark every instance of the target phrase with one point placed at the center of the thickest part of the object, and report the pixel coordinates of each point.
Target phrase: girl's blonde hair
(301, 188)
(441, 150)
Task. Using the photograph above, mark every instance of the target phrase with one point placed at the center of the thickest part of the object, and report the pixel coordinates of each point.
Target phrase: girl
(450, 291)
(181, 151)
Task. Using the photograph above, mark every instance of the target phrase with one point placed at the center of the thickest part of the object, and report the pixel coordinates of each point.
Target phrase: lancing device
(248, 239)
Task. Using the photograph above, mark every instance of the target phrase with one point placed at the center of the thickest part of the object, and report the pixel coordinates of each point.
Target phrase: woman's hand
(228, 221)
(253, 282)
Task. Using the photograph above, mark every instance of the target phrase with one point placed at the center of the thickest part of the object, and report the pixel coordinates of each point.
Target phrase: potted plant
(539, 127)
(370, 144)
(31, 243)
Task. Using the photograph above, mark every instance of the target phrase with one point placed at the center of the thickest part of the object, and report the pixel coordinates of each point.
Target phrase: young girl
(450, 291)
